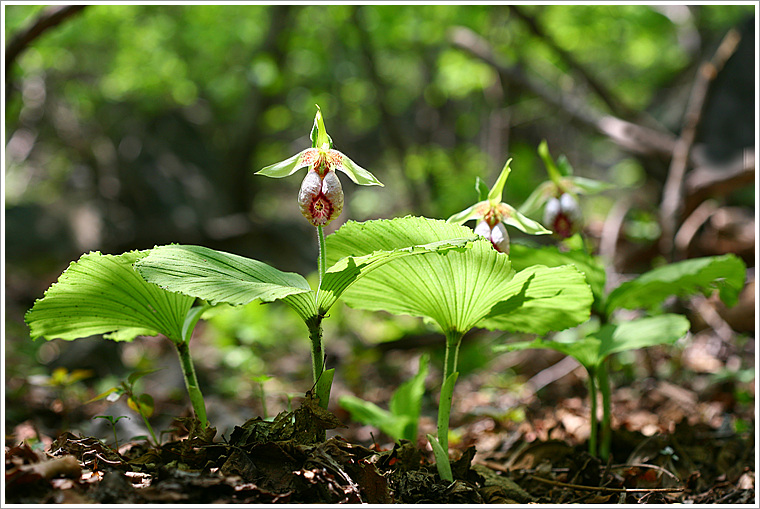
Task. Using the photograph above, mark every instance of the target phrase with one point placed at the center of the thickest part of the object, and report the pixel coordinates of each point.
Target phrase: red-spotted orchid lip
(563, 215)
(321, 197)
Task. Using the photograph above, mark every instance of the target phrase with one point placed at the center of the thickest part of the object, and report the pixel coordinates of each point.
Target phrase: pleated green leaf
(347, 270)
(724, 273)
(103, 294)
(524, 256)
(218, 277)
(458, 289)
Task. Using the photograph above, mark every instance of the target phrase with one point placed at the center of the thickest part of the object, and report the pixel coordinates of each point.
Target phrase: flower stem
(191, 382)
(322, 262)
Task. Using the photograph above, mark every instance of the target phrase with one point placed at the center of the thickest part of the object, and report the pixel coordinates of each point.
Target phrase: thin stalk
(145, 420)
(453, 340)
(315, 331)
(592, 400)
(191, 382)
(322, 261)
(602, 377)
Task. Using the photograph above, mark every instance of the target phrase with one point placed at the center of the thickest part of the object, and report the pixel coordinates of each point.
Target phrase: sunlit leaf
(142, 404)
(641, 333)
(541, 299)
(347, 270)
(524, 256)
(725, 273)
(101, 294)
(458, 289)
(216, 276)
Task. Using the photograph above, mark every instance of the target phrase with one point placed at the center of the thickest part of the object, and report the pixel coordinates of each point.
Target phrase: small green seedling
(142, 403)
(112, 421)
(401, 420)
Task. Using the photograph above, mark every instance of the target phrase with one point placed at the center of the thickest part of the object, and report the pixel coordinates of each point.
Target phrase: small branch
(692, 224)
(647, 465)
(610, 235)
(603, 489)
(672, 196)
(604, 94)
(553, 373)
(630, 136)
(48, 19)
(703, 182)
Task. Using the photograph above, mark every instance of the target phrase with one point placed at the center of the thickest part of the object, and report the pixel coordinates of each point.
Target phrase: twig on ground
(580, 487)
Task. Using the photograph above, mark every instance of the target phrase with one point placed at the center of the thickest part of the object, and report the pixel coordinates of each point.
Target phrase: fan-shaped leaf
(456, 288)
(347, 270)
(100, 294)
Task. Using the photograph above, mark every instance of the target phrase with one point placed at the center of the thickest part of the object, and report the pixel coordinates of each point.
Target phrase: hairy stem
(318, 358)
(191, 382)
(605, 442)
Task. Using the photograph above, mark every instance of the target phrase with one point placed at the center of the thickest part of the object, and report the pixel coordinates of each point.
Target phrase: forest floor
(671, 444)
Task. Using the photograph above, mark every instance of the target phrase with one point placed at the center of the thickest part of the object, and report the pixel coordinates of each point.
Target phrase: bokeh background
(129, 126)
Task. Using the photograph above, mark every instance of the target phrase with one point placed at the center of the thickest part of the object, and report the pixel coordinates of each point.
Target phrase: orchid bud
(320, 197)
(563, 215)
(497, 235)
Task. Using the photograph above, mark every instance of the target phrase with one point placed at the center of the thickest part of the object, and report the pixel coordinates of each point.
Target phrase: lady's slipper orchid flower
(563, 215)
(493, 215)
(321, 196)
(559, 194)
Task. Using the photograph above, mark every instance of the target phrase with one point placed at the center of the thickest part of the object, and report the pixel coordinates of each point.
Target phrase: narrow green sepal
(282, 169)
(494, 196)
(358, 174)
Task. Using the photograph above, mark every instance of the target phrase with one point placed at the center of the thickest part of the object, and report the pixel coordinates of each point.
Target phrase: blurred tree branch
(628, 135)
(614, 104)
(48, 18)
(671, 206)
